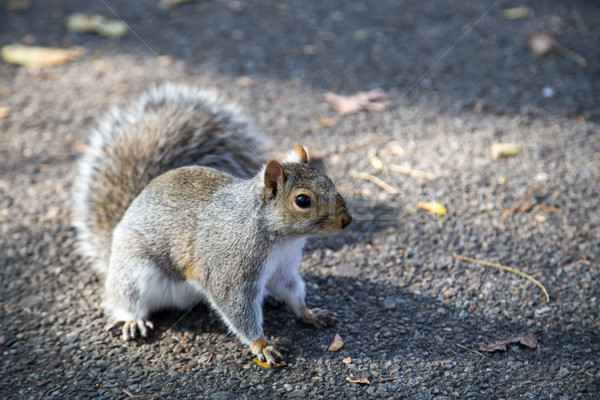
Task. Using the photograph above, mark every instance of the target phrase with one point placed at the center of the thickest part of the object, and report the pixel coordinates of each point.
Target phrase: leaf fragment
(373, 100)
(95, 23)
(39, 56)
(377, 163)
(543, 43)
(517, 13)
(432, 206)
(337, 343)
(528, 340)
(266, 364)
(14, 5)
(394, 149)
(498, 150)
(356, 379)
(244, 81)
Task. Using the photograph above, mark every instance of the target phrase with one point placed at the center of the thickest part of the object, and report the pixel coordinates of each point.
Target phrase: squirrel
(175, 202)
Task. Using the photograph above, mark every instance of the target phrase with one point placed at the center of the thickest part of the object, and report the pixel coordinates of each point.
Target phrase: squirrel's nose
(346, 220)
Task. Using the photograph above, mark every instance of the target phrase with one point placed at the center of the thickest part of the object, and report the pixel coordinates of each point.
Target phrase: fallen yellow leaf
(517, 13)
(377, 163)
(498, 150)
(337, 343)
(432, 206)
(38, 56)
(96, 23)
(356, 379)
(265, 364)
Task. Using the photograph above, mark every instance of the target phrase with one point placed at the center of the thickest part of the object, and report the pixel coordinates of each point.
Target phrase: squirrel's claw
(319, 318)
(268, 354)
(129, 329)
(265, 353)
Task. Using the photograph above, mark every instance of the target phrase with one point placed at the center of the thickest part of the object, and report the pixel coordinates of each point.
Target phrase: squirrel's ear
(273, 173)
(302, 154)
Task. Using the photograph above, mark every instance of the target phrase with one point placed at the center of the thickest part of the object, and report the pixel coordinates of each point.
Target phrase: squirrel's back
(169, 127)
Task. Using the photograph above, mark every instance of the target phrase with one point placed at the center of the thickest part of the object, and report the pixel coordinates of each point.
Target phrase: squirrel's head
(304, 198)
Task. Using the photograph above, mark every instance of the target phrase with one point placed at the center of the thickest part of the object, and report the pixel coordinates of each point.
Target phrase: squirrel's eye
(302, 201)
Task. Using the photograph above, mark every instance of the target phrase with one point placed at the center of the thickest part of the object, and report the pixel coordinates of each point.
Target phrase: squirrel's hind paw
(129, 329)
(319, 318)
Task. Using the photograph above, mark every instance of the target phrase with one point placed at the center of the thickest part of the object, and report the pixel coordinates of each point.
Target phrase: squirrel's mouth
(338, 223)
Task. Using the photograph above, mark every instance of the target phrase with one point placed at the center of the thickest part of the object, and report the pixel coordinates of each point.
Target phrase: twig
(505, 268)
(412, 172)
(467, 349)
(522, 200)
(375, 180)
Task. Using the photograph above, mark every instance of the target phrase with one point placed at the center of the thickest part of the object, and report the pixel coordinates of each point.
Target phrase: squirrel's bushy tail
(170, 126)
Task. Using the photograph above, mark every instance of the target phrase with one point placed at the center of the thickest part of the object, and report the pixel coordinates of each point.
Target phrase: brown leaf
(337, 343)
(394, 149)
(543, 43)
(244, 81)
(528, 340)
(373, 100)
(356, 379)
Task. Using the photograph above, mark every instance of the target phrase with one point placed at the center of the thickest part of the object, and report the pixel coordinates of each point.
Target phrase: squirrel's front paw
(319, 318)
(129, 329)
(264, 353)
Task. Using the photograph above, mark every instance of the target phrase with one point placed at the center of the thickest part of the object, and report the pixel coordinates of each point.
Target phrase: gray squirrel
(174, 203)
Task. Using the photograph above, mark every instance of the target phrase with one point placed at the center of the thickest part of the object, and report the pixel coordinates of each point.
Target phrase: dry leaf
(373, 100)
(347, 360)
(327, 122)
(542, 43)
(244, 81)
(517, 13)
(39, 56)
(356, 379)
(265, 364)
(164, 60)
(337, 343)
(14, 5)
(4, 111)
(377, 163)
(432, 206)
(95, 23)
(394, 149)
(528, 340)
(498, 150)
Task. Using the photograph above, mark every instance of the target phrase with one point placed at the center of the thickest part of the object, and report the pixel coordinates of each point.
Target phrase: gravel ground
(460, 77)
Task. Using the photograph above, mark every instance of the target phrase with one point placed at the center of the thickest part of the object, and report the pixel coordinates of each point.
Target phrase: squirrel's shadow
(377, 321)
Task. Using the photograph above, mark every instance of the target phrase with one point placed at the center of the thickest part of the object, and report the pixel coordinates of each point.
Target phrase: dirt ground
(460, 77)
